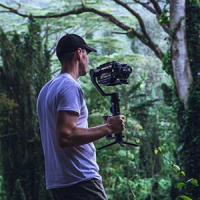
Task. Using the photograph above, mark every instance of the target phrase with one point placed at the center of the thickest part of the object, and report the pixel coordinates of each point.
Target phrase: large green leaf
(185, 197)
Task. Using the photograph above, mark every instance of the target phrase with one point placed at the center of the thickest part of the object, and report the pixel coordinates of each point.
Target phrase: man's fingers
(122, 116)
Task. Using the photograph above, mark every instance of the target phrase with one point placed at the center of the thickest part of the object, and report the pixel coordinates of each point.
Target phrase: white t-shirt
(64, 166)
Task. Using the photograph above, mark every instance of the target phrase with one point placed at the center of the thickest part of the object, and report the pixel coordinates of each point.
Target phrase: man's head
(69, 44)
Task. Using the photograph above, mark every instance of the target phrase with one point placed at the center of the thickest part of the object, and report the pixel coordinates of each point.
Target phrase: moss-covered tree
(25, 68)
(189, 118)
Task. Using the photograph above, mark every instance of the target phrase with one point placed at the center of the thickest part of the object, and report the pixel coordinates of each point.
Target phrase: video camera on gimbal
(111, 74)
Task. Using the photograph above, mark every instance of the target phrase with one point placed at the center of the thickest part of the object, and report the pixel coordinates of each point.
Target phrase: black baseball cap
(70, 43)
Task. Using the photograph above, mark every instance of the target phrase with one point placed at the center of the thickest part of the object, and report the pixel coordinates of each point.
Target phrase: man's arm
(68, 134)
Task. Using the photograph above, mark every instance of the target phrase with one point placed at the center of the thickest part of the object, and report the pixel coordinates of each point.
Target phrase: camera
(112, 73)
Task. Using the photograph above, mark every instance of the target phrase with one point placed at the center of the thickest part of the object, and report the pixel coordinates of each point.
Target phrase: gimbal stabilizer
(111, 74)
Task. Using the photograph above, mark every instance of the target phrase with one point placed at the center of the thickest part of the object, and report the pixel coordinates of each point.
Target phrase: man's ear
(79, 53)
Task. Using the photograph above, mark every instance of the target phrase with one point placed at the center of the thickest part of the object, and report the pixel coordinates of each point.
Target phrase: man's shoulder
(65, 78)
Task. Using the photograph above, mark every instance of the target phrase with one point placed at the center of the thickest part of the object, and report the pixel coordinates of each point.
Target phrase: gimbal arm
(94, 73)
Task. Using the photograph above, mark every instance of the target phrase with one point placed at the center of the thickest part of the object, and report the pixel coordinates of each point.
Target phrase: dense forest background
(161, 103)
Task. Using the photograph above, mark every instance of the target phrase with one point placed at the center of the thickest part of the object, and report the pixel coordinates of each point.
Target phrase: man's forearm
(79, 136)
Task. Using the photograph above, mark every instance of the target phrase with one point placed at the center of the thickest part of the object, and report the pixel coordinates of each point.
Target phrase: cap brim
(90, 49)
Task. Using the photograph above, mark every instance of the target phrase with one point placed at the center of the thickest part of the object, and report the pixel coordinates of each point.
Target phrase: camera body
(112, 73)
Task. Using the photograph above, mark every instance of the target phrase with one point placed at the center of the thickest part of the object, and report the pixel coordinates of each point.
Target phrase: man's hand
(116, 123)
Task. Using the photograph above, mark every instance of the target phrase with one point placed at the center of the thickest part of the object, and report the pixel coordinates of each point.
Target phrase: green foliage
(178, 170)
(167, 66)
(165, 16)
(18, 191)
(128, 173)
(25, 68)
(185, 197)
(2, 191)
(7, 106)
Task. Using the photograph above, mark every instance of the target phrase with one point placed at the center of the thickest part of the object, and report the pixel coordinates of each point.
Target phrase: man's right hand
(116, 123)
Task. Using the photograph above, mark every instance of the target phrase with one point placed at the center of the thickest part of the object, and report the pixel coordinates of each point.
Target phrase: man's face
(83, 63)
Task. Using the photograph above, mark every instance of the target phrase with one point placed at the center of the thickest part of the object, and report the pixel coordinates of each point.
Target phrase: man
(70, 156)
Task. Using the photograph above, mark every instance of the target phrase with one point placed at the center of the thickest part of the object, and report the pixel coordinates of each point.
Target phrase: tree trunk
(179, 55)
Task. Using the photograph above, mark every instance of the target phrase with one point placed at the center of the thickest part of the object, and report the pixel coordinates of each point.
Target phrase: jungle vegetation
(159, 39)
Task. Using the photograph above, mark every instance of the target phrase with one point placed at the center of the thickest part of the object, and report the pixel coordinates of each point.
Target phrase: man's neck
(71, 69)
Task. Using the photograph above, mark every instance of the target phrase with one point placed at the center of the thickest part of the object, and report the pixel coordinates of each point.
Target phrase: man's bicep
(65, 122)
(66, 118)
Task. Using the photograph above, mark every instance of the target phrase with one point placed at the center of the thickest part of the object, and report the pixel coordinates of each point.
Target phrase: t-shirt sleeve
(70, 99)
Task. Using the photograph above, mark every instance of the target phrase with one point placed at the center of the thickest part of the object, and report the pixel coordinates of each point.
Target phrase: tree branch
(140, 20)
(156, 10)
(120, 33)
(159, 13)
(9, 134)
(146, 5)
(157, 7)
(12, 10)
(144, 38)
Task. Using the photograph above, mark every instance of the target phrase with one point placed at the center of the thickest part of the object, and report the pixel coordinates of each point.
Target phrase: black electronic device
(112, 74)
